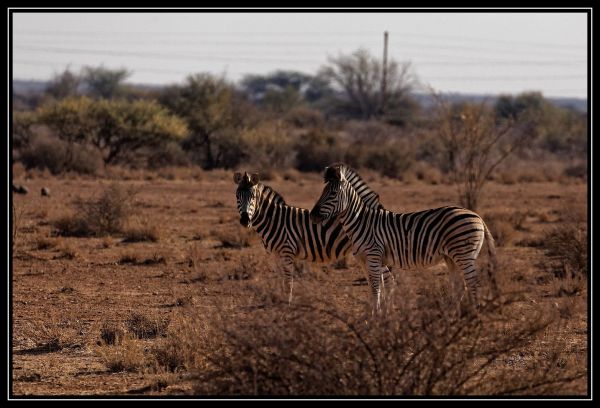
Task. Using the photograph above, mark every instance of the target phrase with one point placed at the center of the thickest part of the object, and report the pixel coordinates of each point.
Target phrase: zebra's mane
(368, 196)
(277, 198)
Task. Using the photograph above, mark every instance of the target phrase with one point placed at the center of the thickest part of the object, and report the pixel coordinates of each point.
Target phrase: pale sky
(484, 53)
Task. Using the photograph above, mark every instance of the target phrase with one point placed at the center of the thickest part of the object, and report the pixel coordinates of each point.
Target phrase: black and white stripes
(288, 231)
(409, 240)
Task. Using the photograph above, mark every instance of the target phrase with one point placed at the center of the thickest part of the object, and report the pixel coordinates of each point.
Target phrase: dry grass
(214, 318)
(141, 233)
(128, 355)
(242, 238)
(98, 216)
(143, 326)
(318, 348)
(53, 335)
(566, 246)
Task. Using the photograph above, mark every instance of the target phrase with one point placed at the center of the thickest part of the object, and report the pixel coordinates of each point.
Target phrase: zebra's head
(334, 199)
(247, 196)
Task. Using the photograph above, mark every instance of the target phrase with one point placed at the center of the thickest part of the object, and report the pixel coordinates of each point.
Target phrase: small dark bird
(46, 191)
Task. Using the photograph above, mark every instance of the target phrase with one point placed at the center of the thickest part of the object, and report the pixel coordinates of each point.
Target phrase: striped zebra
(287, 231)
(408, 240)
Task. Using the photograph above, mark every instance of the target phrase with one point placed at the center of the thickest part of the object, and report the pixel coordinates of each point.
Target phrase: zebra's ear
(254, 179)
(237, 177)
(333, 173)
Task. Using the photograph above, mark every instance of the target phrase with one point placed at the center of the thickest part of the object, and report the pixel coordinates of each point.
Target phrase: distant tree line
(89, 119)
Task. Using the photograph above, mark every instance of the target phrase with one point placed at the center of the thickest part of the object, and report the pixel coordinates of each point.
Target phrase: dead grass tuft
(234, 239)
(316, 348)
(146, 327)
(141, 234)
(566, 249)
(98, 216)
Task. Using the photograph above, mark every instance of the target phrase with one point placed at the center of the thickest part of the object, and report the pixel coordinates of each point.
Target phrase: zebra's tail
(492, 261)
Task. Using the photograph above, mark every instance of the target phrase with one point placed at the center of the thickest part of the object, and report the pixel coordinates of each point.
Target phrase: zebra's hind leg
(467, 266)
(456, 282)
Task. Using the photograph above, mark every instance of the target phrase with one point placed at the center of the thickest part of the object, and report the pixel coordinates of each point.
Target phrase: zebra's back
(423, 238)
(317, 242)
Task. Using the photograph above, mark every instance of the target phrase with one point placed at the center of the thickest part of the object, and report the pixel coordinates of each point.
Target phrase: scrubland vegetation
(135, 277)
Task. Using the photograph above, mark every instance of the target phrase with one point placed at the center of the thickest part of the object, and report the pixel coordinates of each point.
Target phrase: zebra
(407, 240)
(287, 231)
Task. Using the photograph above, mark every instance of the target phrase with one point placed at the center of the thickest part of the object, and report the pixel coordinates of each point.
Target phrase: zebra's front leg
(378, 278)
(287, 266)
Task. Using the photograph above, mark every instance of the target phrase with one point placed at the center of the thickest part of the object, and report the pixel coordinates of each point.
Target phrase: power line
(398, 45)
(217, 57)
(375, 33)
(437, 78)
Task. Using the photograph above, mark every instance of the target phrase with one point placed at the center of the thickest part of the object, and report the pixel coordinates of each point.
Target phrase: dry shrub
(566, 249)
(316, 348)
(267, 146)
(428, 173)
(58, 156)
(53, 335)
(501, 228)
(570, 285)
(111, 333)
(577, 171)
(141, 233)
(184, 347)
(146, 327)
(128, 355)
(316, 149)
(67, 252)
(392, 158)
(303, 117)
(42, 243)
(242, 238)
(249, 267)
(195, 262)
(98, 216)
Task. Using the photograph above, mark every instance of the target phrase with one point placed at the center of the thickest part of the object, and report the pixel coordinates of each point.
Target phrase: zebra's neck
(355, 214)
(267, 201)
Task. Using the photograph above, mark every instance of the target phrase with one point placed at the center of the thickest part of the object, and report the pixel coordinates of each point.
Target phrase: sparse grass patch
(42, 243)
(317, 348)
(143, 326)
(501, 228)
(133, 259)
(67, 252)
(141, 233)
(98, 216)
(111, 333)
(129, 355)
(239, 239)
(195, 262)
(53, 335)
(566, 249)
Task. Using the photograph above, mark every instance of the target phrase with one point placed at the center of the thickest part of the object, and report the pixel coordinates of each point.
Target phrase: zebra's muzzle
(245, 219)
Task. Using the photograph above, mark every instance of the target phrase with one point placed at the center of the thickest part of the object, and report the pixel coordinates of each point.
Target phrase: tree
(114, 127)
(280, 91)
(359, 76)
(103, 82)
(476, 142)
(211, 108)
(64, 85)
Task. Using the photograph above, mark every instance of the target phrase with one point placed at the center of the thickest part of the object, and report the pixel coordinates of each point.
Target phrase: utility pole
(384, 74)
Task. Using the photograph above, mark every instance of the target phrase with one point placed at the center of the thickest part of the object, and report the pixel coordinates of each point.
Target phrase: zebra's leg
(467, 266)
(457, 282)
(286, 264)
(377, 273)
